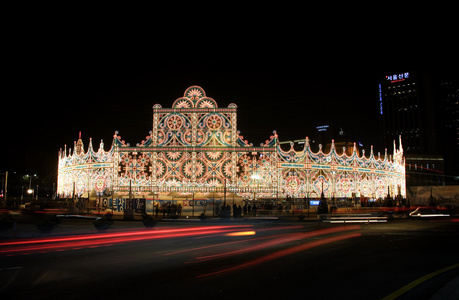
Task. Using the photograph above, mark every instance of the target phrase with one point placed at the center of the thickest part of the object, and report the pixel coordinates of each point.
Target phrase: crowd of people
(238, 211)
(169, 209)
(224, 211)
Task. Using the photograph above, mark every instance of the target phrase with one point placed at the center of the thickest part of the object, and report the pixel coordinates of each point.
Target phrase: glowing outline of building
(195, 148)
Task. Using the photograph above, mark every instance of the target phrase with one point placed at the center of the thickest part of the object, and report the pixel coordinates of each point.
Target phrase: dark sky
(55, 92)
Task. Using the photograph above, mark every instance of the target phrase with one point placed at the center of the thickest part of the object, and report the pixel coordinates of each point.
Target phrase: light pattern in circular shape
(143, 159)
(174, 122)
(214, 182)
(227, 169)
(227, 136)
(199, 169)
(214, 122)
(214, 155)
(194, 92)
(201, 137)
(161, 137)
(245, 161)
(206, 103)
(344, 185)
(100, 185)
(160, 168)
(174, 156)
(188, 136)
(182, 103)
(365, 187)
(292, 184)
(188, 169)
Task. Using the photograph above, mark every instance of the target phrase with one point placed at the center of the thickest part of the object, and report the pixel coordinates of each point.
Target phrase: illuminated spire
(79, 147)
(90, 144)
(101, 146)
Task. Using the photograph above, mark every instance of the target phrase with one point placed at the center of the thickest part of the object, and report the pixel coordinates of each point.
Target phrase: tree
(432, 201)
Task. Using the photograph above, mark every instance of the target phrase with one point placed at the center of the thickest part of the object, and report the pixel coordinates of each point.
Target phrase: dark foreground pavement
(234, 260)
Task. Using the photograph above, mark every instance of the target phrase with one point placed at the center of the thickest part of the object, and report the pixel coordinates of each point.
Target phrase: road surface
(234, 260)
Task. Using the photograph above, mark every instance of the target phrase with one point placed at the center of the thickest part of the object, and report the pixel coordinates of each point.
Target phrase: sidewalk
(449, 291)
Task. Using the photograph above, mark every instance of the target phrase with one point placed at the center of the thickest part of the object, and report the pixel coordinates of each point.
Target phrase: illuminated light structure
(80, 172)
(195, 148)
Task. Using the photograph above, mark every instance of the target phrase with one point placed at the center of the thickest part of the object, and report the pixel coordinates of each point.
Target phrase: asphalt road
(267, 259)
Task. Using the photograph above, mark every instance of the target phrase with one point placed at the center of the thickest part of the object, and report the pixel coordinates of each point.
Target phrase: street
(234, 260)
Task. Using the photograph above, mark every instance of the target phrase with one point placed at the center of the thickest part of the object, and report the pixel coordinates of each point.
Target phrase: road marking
(417, 282)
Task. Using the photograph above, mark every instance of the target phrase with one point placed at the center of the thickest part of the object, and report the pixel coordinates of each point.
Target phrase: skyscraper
(405, 110)
(422, 108)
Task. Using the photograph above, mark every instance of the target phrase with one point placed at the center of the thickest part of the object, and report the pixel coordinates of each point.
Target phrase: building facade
(402, 108)
(195, 149)
(422, 107)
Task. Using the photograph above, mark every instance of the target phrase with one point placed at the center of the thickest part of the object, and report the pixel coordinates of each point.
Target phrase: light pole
(30, 190)
(255, 177)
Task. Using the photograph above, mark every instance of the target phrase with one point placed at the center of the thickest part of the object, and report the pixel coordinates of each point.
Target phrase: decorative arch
(194, 97)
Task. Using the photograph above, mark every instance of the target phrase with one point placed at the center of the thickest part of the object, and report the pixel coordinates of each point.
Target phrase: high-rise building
(422, 108)
(449, 91)
(405, 110)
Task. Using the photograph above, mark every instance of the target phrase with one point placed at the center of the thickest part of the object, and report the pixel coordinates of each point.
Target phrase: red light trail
(289, 251)
(105, 239)
(279, 240)
(243, 233)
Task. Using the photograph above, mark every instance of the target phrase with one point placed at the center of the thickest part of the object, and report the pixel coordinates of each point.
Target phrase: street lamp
(30, 192)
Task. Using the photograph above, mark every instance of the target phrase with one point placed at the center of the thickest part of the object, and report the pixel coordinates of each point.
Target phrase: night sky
(55, 93)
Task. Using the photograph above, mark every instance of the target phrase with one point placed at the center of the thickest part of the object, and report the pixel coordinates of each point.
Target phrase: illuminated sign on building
(398, 77)
(322, 127)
